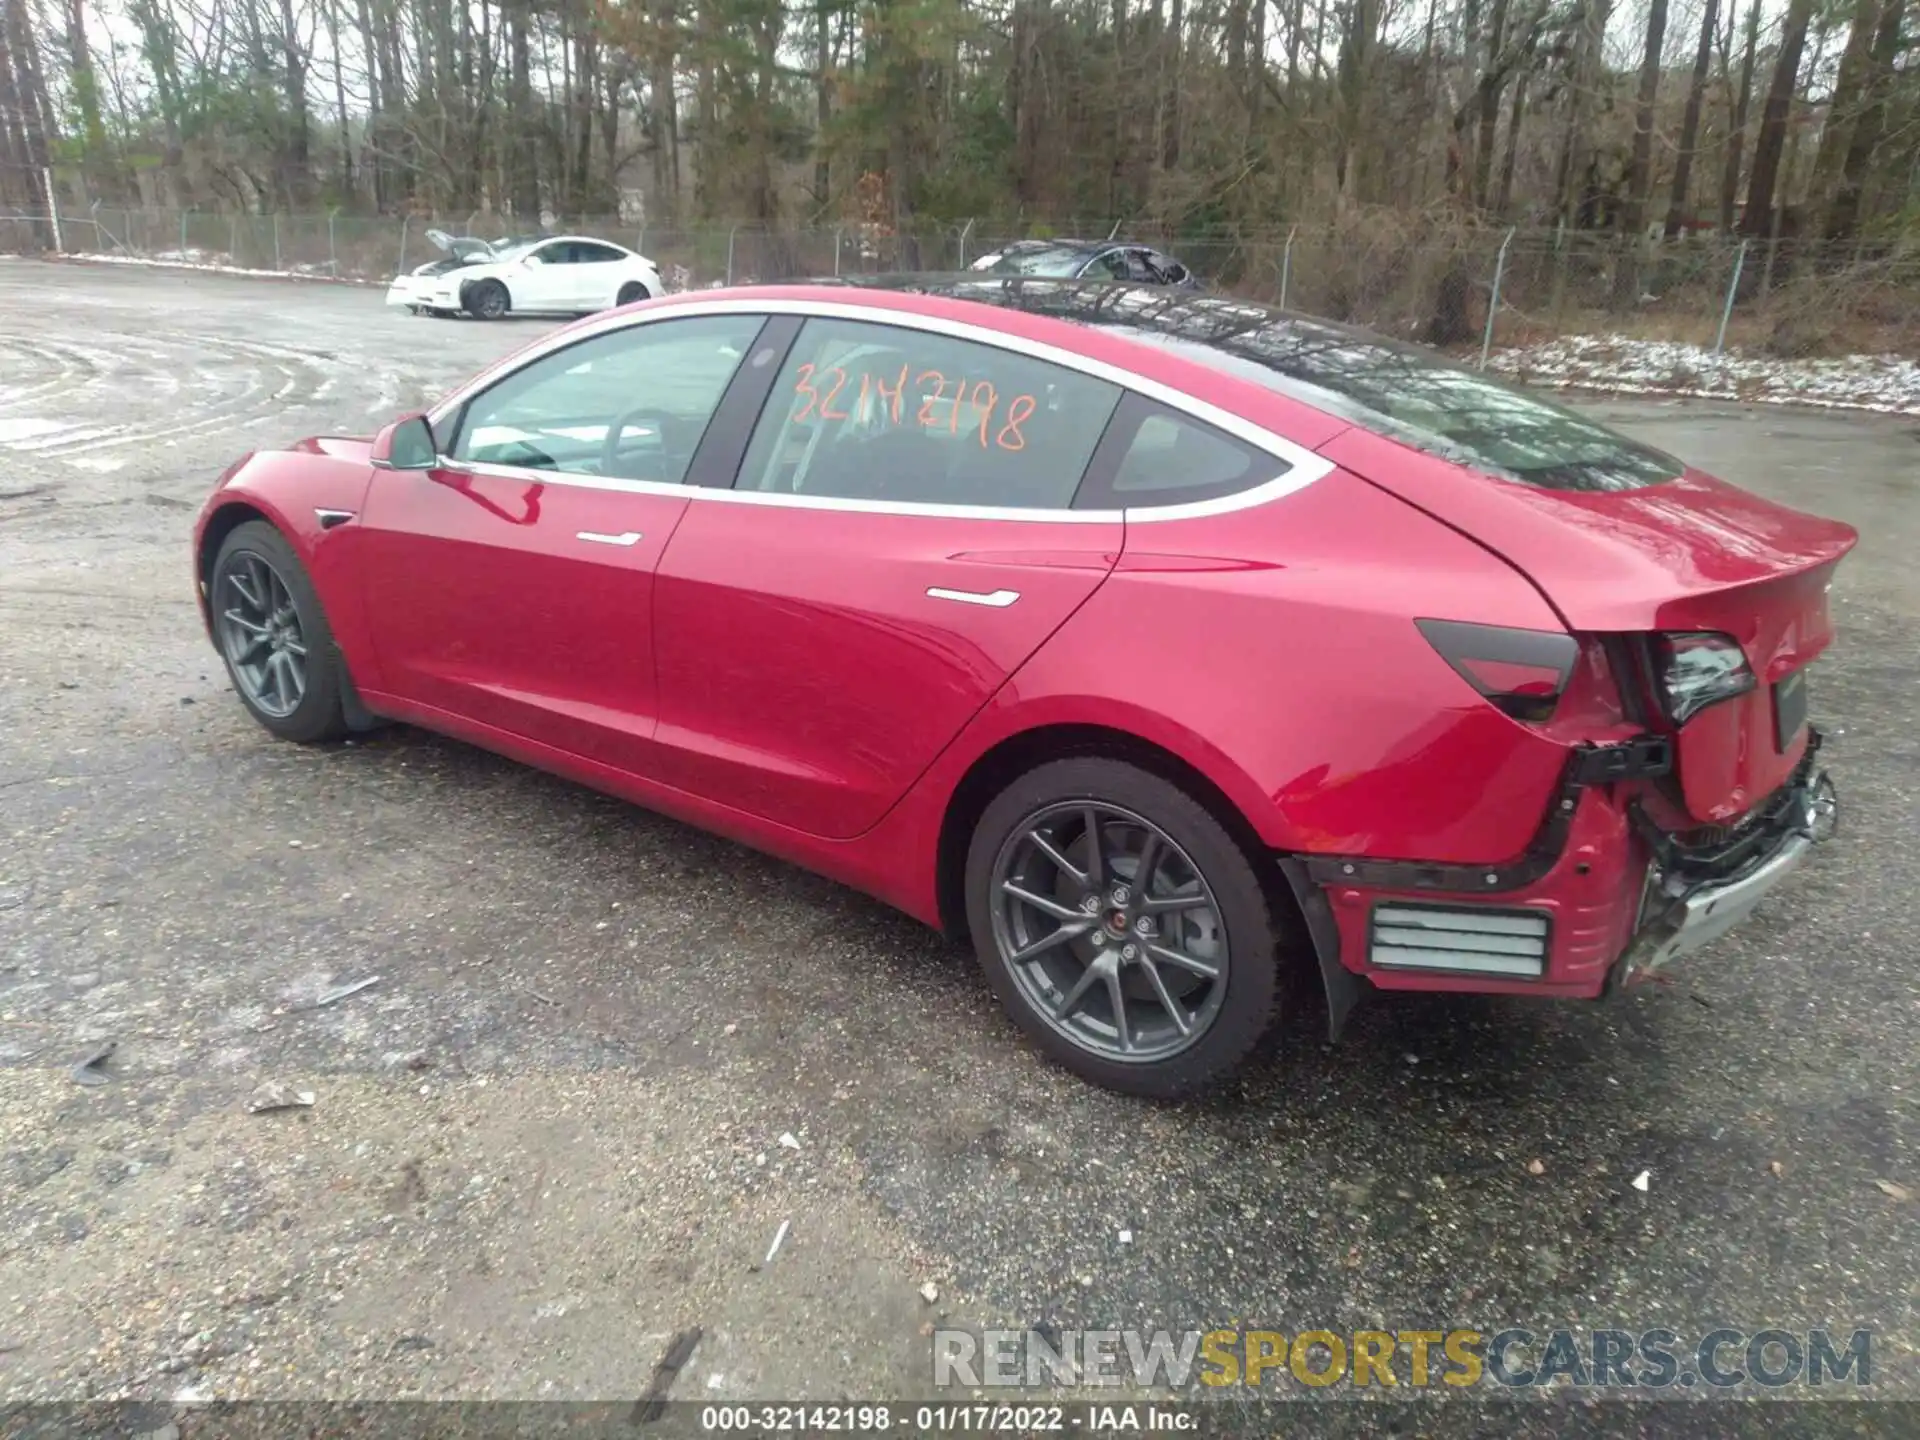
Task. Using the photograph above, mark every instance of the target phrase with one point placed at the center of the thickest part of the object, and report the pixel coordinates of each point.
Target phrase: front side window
(633, 403)
(875, 412)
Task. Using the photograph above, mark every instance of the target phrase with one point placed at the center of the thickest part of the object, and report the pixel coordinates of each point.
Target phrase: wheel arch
(1300, 912)
(1003, 762)
(474, 282)
(220, 523)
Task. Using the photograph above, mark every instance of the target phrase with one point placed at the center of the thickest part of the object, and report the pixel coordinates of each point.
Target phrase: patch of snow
(1889, 384)
(675, 278)
(26, 427)
(186, 260)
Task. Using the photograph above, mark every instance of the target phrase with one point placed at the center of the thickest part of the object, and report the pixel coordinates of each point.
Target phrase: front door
(544, 278)
(898, 543)
(512, 585)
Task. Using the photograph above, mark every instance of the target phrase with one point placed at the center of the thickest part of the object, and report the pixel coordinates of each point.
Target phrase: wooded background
(1398, 123)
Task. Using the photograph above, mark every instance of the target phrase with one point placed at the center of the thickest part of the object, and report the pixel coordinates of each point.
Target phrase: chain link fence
(1469, 287)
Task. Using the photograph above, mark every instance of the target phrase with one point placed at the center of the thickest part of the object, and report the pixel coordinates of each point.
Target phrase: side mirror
(406, 444)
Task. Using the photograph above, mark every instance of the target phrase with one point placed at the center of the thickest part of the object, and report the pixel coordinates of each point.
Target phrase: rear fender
(1285, 636)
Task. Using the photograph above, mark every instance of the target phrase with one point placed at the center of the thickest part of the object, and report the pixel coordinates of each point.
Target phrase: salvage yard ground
(606, 1057)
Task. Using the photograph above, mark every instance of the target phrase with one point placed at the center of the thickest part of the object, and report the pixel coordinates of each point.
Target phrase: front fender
(289, 489)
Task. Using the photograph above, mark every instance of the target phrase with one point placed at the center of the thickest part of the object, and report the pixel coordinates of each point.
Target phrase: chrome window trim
(1304, 466)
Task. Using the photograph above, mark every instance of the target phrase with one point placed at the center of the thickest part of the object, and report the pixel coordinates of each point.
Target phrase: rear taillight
(1697, 668)
(1520, 672)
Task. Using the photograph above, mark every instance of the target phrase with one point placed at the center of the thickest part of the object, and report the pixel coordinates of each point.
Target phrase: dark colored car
(1086, 260)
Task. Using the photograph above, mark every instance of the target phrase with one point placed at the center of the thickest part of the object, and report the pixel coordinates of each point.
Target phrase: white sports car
(553, 274)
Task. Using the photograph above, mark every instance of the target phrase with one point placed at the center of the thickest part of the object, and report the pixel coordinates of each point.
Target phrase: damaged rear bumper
(1694, 895)
(1602, 897)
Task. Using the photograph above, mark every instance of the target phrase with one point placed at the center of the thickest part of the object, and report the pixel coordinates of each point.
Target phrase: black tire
(1250, 1002)
(320, 713)
(487, 300)
(632, 293)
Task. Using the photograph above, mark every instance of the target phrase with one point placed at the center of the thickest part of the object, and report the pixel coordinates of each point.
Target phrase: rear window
(1412, 396)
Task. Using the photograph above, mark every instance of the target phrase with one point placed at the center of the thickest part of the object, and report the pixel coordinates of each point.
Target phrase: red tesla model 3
(1152, 641)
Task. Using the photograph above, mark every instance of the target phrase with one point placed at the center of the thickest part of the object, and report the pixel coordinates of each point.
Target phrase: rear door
(899, 541)
(597, 271)
(512, 585)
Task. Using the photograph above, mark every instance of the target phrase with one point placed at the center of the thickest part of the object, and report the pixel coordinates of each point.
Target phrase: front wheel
(1122, 927)
(274, 636)
(488, 300)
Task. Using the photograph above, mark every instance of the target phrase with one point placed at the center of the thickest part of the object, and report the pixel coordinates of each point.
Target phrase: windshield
(1062, 261)
(1408, 395)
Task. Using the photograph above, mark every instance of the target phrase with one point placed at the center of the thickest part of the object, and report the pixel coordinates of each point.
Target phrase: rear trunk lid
(1620, 538)
(1684, 554)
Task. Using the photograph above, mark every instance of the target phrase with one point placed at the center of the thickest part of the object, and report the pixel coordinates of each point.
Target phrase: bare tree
(1869, 125)
(1770, 146)
(1690, 121)
(1737, 127)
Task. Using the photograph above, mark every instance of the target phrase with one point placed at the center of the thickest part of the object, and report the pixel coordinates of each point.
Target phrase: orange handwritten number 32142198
(980, 400)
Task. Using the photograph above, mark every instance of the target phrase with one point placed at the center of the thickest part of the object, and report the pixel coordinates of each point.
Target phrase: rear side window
(878, 412)
(1156, 456)
(1414, 397)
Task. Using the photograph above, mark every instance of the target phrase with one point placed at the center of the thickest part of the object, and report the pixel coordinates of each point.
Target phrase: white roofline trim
(1304, 466)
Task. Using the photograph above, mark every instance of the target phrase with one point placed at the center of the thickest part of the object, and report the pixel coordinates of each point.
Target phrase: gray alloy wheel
(274, 637)
(488, 300)
(1110, 931)
(1123, 926)
(261, 636)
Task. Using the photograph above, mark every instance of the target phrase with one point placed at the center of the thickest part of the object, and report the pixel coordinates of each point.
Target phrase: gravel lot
(607, 1056)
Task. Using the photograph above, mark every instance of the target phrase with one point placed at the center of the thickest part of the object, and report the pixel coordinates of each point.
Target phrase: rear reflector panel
(1463, 939)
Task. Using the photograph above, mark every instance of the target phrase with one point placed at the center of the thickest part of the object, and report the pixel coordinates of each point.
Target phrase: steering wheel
(661, 425)
(528, 456)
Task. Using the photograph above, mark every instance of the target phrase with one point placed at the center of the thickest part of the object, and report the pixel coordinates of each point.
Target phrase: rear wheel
(630, 293)
(274, 636)
(488, 300)
(1122, 927)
